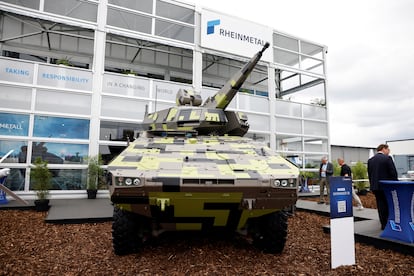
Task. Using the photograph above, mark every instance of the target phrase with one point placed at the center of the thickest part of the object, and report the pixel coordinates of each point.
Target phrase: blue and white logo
(211, 24)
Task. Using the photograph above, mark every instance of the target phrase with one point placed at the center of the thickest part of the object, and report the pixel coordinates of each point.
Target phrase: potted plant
(95, 176)
(41, 177)
(359, 172)
(63, 61)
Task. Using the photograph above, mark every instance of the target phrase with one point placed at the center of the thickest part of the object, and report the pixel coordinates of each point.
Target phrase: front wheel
(128, 231)
(269, 232)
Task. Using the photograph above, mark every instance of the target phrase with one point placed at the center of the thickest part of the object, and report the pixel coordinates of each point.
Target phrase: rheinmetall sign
(234, 35)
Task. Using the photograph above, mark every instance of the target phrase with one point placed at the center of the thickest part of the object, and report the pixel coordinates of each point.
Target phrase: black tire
(128, 231)
(270, 231)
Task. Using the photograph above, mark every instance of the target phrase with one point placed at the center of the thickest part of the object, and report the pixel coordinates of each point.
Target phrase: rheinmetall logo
(232, 34)
(211, 24)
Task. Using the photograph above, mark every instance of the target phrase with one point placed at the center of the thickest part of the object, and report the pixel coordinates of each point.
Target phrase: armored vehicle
(191, 169)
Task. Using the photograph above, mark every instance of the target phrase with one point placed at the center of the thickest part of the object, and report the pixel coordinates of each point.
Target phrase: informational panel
(342, 222)
(64, 77)
(233, 35)
(16, 71)
(125, 85)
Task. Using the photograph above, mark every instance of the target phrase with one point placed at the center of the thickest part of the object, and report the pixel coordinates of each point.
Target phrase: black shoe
(320, 202)
(327, 203)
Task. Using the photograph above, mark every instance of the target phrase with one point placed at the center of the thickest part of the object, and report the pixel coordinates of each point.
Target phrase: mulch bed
(29, 246)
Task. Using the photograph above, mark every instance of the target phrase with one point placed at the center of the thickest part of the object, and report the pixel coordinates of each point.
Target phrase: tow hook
(162, 202)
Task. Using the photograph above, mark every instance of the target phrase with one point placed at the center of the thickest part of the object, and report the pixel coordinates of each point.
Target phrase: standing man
(325, 171)
(346, 171)
(381, 167)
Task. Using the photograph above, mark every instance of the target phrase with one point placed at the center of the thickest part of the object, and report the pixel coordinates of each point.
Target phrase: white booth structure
(77, 76)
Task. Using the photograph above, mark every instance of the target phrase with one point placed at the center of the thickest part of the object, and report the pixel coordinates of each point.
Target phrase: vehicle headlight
(128, 181)
(137, 182)
(276, 183)
(284, 182)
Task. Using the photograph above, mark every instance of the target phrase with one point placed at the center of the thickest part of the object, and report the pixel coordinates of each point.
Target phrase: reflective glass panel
(67, 179)
(19, 153)
(59, 153)
(129, 20)
(79, 9)
(174, 31)
(175, 12)
(16, 179)
(15, 97)
(141, 5)
(57, 127)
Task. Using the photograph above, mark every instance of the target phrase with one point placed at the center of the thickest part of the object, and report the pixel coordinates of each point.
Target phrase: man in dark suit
(325, 171)
(381, 167)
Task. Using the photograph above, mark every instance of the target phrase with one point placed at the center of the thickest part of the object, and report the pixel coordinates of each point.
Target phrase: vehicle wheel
(270, 232)
(128, 231)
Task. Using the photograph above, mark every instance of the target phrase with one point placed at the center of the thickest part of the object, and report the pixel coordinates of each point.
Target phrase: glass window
(57, 127)
(288, 143)
(174, 31)
(123, 108)
(32, 4)
(315, 128)
(316, 145)
(79, 9)
(14, 124)
(311, 50)
(314, 112)
(289, 125)
(128, 20)
(253, 103)
(67, 179)
(258, 122)
(141, 5)
(311, 65)
(63, 102)
(19, 153)
(288, 108)
(59, 153)
(15, 97)
(285, 42)
(286, 58)
(118, 131)
(175, 12)
(313, 160)
(16, 179)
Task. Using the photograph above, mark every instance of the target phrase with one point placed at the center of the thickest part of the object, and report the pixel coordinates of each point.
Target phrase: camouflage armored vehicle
(192, 170)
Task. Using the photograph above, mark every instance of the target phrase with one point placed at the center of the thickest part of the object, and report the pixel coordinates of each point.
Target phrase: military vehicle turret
(191, 169)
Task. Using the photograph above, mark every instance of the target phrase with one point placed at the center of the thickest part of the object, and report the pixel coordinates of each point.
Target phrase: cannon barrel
(224, 96)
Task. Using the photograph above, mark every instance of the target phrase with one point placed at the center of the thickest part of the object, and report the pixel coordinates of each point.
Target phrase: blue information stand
(342, 222)
(341, 197)
(400, 199)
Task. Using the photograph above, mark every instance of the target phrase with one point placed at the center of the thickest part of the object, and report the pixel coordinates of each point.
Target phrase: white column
(272, 102)
(98, 69)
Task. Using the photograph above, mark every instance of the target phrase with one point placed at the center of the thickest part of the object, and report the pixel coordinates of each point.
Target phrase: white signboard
(234, 35)
(64, 77)
(16, 71)
(125, 85)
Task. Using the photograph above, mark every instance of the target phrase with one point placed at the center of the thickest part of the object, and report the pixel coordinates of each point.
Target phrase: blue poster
(14, 124)
(340, 197)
